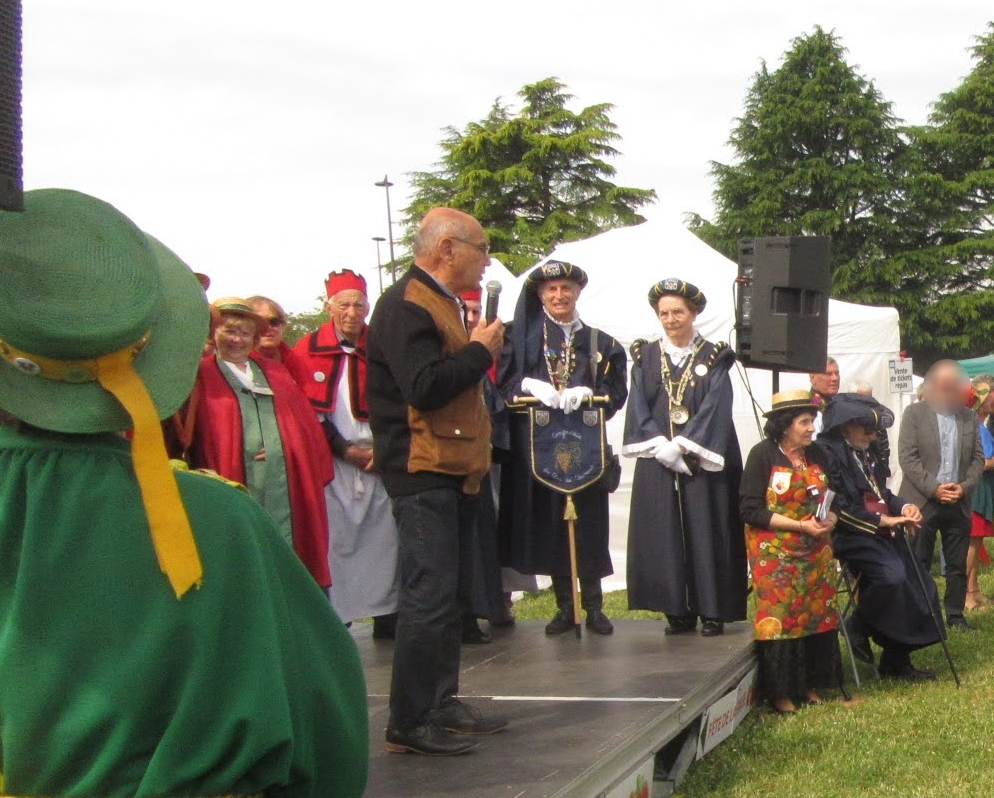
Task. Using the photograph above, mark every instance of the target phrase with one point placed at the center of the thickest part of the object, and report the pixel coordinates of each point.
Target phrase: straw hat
(793, 400)
(236, 306)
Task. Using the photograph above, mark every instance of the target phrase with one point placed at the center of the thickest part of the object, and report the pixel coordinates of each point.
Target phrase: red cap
(345, 280)
(474, 295)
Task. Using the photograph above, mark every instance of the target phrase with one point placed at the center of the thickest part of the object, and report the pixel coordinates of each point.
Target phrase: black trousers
(435, 529)
(591, 595)
(953, 524)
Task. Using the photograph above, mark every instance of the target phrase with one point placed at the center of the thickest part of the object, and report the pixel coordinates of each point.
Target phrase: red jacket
(291, 361)
(218, 445)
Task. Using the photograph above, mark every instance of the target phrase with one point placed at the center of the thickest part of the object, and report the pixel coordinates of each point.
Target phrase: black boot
(592, 597)
(471, 631)
(712, 627)
(680, 625)
(896, 664)
(563, 621)
(859, 640)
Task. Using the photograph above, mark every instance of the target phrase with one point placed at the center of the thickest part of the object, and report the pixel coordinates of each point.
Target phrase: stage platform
(585, 714)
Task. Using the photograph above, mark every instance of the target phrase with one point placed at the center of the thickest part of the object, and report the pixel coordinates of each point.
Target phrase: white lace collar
(678, 354)
(569, 328)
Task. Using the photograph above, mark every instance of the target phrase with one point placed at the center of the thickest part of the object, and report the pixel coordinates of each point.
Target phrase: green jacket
(111, 687)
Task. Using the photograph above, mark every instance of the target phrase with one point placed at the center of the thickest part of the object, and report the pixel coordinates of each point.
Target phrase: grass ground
(893, 739)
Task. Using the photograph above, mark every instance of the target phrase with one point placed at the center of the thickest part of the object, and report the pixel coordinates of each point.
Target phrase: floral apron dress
(790, 570)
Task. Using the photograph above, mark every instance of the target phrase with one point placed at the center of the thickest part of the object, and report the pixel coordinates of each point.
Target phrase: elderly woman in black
(891, 606)
(789, 518)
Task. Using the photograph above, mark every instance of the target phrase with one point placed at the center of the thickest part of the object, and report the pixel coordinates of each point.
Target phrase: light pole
(385, 185)
(379, 261)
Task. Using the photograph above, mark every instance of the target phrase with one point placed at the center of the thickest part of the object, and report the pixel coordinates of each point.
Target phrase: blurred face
(800, 432)
(677, 319)
(860, 436)
(348, 310)
(235, 337)
(946, 389)
(474, 311)
(272, 336)
(827, 383)
(559, 298)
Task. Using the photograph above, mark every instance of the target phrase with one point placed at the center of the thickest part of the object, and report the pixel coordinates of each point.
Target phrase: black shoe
(859, 641)
(906, 672)
(503, 620)
(472, 633)
(429, 740)
(562, 623)
(680, 626)
(385, 627)
(459, 717)
(712, 628)
(959, 624)
(598, 623)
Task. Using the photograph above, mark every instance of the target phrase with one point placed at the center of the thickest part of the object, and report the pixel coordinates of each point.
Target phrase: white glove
(572, 398)
(543, 391)
(669, 454)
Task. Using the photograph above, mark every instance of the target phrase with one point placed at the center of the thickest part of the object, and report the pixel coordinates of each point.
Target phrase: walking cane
(569, 515)
(928, 599)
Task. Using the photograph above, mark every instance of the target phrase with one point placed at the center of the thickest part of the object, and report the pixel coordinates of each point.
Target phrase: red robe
(291, 361)
(218, 445)
(324, 358)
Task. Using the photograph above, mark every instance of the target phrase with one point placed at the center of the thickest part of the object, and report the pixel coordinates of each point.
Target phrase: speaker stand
(776, 380)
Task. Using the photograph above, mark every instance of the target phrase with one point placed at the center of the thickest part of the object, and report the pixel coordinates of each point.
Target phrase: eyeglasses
(484, 248)
(276, 321)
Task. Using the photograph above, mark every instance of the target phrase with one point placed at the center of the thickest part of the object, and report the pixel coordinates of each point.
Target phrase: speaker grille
(11, 149)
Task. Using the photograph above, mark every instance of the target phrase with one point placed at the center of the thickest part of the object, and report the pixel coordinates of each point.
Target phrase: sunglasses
(276, 321)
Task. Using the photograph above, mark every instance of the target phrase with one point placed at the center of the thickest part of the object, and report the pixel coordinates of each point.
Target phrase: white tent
(622, 265)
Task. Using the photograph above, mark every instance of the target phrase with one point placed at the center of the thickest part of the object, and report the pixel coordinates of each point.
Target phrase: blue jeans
(435, 529)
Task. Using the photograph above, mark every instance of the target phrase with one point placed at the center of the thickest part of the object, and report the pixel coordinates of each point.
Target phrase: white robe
(362, 550)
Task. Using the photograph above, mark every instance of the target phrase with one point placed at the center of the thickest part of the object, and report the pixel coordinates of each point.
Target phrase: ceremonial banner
(567, 449)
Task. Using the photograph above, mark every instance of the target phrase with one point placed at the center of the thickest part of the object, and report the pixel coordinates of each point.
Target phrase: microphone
(493, 289)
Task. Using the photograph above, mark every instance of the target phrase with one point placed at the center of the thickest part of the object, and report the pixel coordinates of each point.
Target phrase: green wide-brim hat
(79, 281)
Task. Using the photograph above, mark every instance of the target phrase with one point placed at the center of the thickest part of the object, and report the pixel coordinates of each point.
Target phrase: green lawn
(891, 740)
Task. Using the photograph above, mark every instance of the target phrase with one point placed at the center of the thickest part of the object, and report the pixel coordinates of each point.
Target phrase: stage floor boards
(583, 713)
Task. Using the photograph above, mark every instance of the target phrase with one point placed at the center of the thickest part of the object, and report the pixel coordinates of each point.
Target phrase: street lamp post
(379, 261)
(385, 185)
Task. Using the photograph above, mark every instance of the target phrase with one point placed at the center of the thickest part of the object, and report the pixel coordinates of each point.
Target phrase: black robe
(891, 605)
(486, 598)
(697, 566)
(532, 531)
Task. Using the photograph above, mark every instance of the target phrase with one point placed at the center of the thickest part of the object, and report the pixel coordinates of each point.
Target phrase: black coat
(890, 602)
(686, 550)
(532, 532)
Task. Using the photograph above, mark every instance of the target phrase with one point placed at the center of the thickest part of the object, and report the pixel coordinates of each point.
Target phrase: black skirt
(790, 668)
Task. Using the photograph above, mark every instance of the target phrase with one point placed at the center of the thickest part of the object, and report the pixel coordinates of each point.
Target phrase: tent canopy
(975, 366)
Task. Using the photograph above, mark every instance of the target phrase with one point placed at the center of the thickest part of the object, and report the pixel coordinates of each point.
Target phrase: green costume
(266, 477)
(110, 687)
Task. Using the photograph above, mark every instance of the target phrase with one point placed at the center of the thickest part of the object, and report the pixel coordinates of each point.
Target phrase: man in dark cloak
(552, 355)
(686, 541)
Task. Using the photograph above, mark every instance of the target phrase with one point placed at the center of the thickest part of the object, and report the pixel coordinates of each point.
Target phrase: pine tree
(535, 178)
(947, 220)
(817, 152)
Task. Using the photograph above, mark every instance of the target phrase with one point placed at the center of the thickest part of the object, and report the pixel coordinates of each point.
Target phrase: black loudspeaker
(782, 302)
(11, 151)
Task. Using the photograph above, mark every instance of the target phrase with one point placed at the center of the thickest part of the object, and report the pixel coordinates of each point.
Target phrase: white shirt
(247, 377)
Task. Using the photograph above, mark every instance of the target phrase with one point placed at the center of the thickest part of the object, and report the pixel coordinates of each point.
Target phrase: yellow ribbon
(167, 518)
(172, 536)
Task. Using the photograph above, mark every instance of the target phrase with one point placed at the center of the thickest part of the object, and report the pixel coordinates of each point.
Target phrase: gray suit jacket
(919, 455)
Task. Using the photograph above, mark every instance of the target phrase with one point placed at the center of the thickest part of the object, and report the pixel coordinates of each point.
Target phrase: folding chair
(847, 585)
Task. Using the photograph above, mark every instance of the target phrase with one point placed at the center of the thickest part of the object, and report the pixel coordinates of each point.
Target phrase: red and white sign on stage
(724, 715)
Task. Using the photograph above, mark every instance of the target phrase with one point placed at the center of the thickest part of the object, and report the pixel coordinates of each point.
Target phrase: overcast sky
(247, 135)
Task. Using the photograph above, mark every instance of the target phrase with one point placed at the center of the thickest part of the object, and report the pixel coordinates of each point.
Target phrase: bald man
(431, 435)
(943, 460)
